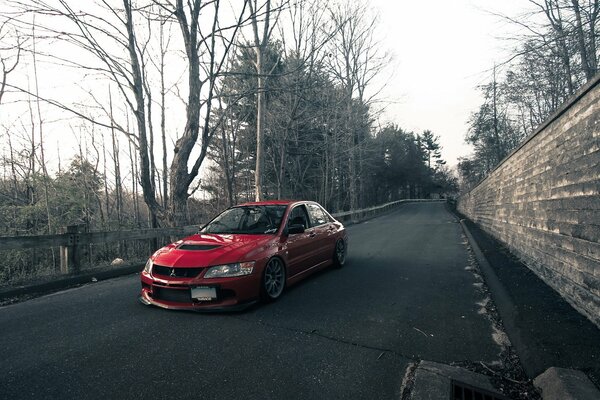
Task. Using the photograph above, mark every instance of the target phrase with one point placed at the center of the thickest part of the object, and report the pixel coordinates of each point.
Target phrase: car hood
(202, 250)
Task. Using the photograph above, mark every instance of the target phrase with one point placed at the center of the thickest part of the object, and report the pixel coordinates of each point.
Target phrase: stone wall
(543, 201)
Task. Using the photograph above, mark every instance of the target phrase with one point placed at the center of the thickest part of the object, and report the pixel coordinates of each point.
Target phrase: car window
(298, 215)
(317, 215)
(247, 220)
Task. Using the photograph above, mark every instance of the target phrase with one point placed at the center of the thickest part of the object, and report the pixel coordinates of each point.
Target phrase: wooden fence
(74, 240)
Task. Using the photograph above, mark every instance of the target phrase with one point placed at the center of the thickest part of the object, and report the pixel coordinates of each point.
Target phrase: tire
(273, 280)
(339, 253)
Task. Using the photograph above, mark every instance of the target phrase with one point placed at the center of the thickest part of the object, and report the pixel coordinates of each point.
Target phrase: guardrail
(73, 241)
(354, 215)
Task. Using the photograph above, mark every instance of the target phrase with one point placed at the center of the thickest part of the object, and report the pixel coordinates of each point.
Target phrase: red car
(247, 253)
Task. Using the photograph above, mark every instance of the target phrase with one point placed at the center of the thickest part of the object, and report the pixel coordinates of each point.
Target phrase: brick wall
(543, 201)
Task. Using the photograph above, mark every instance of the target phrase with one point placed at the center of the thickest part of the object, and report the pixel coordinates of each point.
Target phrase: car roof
(268, 203)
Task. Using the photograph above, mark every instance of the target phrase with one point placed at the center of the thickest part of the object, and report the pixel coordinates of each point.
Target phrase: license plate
(204, 293)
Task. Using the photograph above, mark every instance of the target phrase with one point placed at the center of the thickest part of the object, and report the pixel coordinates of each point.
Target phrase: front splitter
(206, 309)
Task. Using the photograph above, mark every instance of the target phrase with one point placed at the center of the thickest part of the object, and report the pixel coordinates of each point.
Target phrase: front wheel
(339, 256)
(273, 281)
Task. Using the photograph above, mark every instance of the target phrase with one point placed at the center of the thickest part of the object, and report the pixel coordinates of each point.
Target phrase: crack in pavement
(314, 332)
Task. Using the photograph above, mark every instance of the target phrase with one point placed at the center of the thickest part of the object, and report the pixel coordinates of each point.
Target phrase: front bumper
(175, 294)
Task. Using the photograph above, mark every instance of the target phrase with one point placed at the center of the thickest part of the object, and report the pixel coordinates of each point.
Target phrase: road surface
(408, 292)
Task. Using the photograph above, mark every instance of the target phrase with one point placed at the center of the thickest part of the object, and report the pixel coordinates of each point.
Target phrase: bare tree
(556, 54)
(268, 16)
(111, 35)
(205, 63)
(164, 42)
(587, 41)
(10, 53)
(40, 121)
(554, 13)
(356, 59)
(574, 25)
(308, 32)
(116, 165)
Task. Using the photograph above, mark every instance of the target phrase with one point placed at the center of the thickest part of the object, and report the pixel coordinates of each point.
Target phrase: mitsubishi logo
(172, 272)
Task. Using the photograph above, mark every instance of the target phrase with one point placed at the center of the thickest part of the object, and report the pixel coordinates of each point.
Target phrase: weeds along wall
(543, 201)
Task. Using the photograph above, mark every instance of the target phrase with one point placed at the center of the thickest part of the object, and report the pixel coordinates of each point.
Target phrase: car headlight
(148, 266)
(237, 269)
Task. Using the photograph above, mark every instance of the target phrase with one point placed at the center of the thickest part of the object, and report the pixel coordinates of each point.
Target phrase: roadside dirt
(507, 375)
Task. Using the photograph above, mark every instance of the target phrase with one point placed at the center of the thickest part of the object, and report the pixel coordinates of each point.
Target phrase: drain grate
(462, 391)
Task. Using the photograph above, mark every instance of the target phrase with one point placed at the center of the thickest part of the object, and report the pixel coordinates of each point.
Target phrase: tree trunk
(180, 179)
(140, 113)
(228, 176)
(495, 122)
(281, 174)
(583, 53)
(117, 166)
(260, 120)
(41, 126)
(351, 133)
(593, 18)
(163, 133)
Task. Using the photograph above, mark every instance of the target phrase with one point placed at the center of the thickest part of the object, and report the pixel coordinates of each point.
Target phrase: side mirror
(295, 228)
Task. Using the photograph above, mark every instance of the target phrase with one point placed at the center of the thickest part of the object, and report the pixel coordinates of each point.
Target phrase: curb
(501, 297)
(67, 282)
(565, 384)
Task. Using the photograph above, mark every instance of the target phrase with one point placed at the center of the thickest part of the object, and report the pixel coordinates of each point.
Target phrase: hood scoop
(198, 247)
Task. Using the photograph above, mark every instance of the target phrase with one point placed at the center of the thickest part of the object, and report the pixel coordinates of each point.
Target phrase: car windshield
(247, 220)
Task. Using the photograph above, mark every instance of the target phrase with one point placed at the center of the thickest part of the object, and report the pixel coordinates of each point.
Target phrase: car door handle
(312, 233)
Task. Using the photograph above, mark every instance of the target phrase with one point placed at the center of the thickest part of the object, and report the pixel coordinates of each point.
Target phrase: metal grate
(176, 272)
(463, 391)
(198, 246)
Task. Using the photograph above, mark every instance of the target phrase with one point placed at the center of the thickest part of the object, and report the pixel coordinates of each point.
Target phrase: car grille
(176, 272)
(175, 295)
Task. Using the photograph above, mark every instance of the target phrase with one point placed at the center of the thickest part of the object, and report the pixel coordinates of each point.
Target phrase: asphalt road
(407, 292)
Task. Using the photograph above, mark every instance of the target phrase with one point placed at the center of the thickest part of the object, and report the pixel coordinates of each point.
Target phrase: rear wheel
(339, 256)
(273, 281)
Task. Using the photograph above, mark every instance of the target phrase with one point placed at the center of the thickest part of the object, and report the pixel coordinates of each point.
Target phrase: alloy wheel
(340, 253)
(274, 278)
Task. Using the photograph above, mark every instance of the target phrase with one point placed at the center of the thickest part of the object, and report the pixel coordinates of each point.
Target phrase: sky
(443, 50)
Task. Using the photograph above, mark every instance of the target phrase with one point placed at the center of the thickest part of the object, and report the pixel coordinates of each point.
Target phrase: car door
(324, 241)
(300, 246)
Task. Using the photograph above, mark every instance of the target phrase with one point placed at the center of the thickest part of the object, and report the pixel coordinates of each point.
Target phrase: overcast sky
(443, 49)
